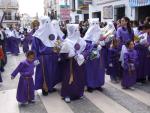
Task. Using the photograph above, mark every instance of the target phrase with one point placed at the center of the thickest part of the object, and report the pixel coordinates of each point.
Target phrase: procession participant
(95, 70)
(113, 61)
(13, 41)
(25, 90)
(3, 44)
(145, 41)
(43, 44)
(25, 41)
(124, 34)
(129, 66)
(73, 73)
(141, 48)
(34, 25)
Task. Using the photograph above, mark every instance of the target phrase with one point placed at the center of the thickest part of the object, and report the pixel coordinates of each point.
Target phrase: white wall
(128, 12)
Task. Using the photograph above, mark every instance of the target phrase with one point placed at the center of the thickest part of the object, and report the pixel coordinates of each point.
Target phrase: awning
(139, 3)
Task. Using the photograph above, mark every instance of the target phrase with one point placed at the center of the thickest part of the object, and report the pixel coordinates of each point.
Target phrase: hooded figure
(72, 58)
(60, 34)
(43, 43)
(95, 70)
(13, 45)
(93, 33)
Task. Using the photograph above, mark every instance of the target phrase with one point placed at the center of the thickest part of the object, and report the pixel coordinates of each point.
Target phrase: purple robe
(13, 45)
(25, 44)
(113, 58)
(95, 70)
(147, 59)
(141, 51)
(25, 90)
(8, 44)
(129, 68)
(47, 71)
(123, 35)
(30, 36)
(74, 90)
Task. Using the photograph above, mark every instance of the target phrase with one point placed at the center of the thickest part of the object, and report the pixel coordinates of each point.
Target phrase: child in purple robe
(129, 66)
(113, 59)
(25, 90)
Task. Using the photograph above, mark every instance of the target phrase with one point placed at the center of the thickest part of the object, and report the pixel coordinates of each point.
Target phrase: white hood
(93, 33)
(46, 29)
(57, 28)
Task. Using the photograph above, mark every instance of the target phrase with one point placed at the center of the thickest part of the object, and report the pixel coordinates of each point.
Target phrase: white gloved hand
(64, 47)
(102, 43)
(111, 65)
(149, 48)
(22, 39)
(80, 59)
(99, 47)
(36, 62)
(71, 53)
(59, 59)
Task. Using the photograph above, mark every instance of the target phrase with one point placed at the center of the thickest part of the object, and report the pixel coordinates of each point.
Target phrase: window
(8, 16)
(17, 17)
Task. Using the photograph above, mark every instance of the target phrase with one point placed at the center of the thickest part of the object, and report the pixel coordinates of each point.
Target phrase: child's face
(131, 46)
(123, 22)
(31, 57)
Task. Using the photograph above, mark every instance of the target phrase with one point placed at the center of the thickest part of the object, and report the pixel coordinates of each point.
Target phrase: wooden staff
(101, 65)
(71, 72)
(44, 80)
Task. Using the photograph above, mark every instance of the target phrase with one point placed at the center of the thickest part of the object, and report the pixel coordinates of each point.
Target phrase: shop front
(142, 8)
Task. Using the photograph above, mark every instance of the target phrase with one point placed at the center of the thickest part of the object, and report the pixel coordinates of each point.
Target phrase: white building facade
(79, 10)
(10, 7)
(110, 10)
(51, 8)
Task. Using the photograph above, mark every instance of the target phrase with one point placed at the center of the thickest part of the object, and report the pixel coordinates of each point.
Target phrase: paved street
(112, 100)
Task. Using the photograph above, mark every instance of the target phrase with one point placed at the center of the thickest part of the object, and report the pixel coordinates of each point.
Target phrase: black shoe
(143, 82)
(53, 90)
(44, 93)
(148, 78)
(123, 87)
(90, 90)
(99, 89)
(31, 101)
